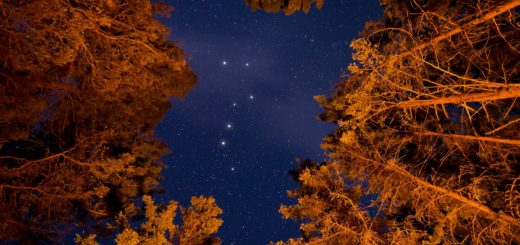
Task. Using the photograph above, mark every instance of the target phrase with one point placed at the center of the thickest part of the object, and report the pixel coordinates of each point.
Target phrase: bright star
(247, 64)
(228, 125)
(251, 97)
(234, 104)
(224, 62)
(223, 143)
(232, 168)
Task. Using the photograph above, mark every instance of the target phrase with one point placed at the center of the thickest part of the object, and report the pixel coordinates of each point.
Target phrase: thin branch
(513, 92)
(470, 137)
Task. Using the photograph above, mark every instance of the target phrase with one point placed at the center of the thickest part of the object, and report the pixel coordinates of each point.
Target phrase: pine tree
(82, 85)
(428, 123)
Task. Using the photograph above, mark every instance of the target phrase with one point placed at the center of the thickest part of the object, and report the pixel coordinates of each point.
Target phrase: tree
(428, 131)
(330, 206)
(289, 7)
(199, 222)
(82, 85)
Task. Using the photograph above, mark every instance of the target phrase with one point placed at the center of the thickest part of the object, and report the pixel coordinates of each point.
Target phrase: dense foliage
(199, 222)
(82, 84)
(427, 148)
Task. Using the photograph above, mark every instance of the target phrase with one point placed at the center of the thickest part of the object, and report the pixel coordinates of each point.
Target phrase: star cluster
(237, 134)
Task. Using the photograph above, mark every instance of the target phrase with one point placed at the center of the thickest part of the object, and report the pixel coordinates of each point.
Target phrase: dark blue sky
(281, 62)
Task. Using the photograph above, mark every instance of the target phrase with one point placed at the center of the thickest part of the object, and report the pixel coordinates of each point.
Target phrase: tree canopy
(199, 222)
(426, 149)
(427, 145)
(82, 84)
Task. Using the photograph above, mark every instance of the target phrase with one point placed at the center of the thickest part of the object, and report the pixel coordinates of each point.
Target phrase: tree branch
(470, 137)
(513, 92)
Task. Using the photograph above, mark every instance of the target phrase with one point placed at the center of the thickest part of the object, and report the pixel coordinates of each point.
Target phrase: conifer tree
(427, 148)
(82, 85)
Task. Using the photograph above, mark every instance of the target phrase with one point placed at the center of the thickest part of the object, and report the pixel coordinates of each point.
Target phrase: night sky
(238, 132)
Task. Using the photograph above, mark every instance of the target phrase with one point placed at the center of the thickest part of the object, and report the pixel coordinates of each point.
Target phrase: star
(224, 62)
(251, 97)
(247, 64)
(223, 143)
(228, 126)
(234, 104)
(232, 168)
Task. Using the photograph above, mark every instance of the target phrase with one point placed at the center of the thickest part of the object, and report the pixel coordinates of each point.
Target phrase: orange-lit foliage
(287, 6)
(82, 84)
(199, 223)
(428, 144)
